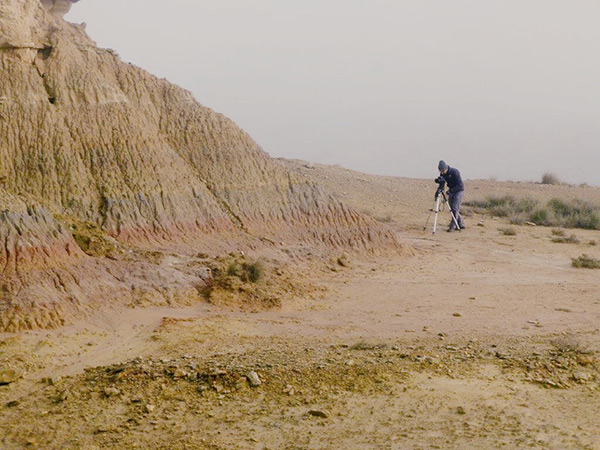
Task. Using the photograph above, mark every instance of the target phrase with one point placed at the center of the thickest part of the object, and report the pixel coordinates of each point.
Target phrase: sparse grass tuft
(386, 219)
(550, 178)
(508, 231)
(569, 344)
(586, 262)
(566, 239)
(246, 271)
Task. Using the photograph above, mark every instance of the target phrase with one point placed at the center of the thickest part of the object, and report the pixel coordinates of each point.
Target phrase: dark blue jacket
(453, 180)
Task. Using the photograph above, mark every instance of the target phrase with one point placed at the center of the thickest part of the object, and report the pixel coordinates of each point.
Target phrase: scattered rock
(51, 380)
(62, 396)
(480, 224)
(457, 314)
(180, 373)
(253, 379)
(585, 360)
(461, 410)
(13, 403)
(343, 261)
(323, 413)
(581, 376)
(531, 224)
(149, 408)
(8, 376)
(501, 355)
(110, 391)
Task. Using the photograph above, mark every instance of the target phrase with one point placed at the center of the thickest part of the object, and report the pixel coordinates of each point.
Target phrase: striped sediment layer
(86, 136)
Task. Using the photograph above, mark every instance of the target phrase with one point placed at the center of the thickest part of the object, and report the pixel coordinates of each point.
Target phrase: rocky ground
(476, 340)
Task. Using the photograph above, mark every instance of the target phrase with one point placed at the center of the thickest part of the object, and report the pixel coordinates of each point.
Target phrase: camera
(440, 189)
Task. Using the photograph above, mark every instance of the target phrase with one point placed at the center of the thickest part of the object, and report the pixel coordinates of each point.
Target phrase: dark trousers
(455, 200)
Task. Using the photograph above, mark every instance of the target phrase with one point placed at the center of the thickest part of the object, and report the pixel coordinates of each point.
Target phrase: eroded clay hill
(87, 140)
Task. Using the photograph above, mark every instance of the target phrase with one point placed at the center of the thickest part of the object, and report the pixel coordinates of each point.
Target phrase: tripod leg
(428, 217)
(437, 210)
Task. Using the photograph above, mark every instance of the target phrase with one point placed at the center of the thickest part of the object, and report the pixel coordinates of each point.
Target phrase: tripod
(440, 200)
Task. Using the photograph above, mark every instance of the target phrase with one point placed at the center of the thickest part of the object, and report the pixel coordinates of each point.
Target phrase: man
(456, 192)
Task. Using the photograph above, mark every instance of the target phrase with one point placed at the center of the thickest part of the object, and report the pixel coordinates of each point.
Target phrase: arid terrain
(466, 340)
(166, 283)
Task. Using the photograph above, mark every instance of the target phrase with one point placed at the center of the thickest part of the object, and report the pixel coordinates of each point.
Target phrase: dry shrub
(569, 343)
(557, 212)
(508, 231)
(586, 262)
(550, 178)
(566, 239)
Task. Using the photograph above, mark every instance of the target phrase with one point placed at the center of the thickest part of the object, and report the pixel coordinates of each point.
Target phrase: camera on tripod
(441, 182)
(440, 201)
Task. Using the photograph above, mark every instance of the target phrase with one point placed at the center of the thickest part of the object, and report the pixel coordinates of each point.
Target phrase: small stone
(62, 396)
(253, 379)
(323, 413)
(110, 391)
(581, 376)
(180, 373)
(8, 376)
(149, 408)
(461, 410)
(585, 360)
(51, 380)
(481, 224)
(457, 314)
(13, 403)
(289, 390)
(343, 261)
(350, 362)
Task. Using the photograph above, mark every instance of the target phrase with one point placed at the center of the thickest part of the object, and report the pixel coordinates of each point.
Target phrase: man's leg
(455, 200)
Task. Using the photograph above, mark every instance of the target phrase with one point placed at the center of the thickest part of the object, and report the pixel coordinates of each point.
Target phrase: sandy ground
(478, 340)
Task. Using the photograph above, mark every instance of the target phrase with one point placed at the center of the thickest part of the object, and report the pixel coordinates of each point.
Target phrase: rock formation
(86, 138)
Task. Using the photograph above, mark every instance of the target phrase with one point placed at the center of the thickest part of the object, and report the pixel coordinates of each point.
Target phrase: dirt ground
(477, 340)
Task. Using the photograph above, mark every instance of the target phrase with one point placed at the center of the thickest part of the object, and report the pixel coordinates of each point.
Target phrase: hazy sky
(498, 88)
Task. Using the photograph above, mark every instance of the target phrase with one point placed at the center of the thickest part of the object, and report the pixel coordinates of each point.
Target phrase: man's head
(442, 167)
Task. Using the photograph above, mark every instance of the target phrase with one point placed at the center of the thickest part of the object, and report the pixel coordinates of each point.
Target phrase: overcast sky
(508, 89)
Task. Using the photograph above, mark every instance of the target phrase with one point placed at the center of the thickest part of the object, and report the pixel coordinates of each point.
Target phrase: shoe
(451, 229)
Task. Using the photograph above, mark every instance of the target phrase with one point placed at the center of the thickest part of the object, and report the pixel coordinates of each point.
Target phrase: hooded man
(456, 192)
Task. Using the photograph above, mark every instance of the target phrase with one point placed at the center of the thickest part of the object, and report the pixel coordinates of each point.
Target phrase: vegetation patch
(566, 239)
(250, 284)
(550, 178)
(508, 231)
(556, 212)
(586, 262)
(91, 238)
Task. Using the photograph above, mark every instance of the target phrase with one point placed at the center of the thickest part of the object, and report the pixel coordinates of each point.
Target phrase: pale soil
(478, 340)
